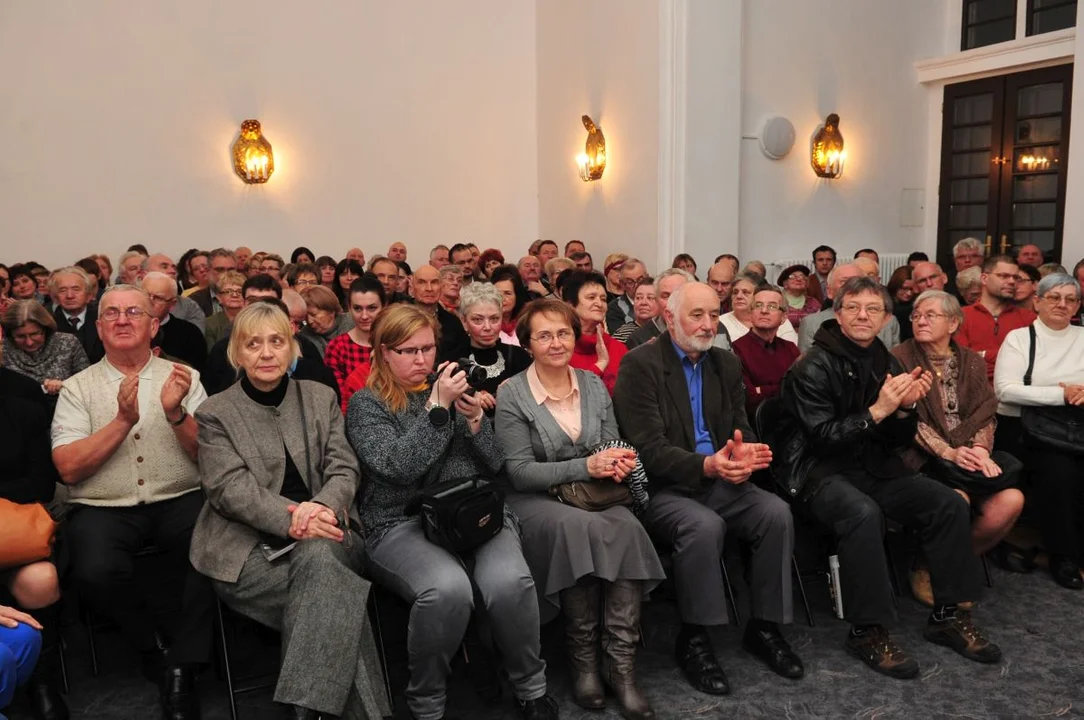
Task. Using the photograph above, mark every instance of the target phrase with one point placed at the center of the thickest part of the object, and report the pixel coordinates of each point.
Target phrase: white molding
(1036, 51)
(673, 73)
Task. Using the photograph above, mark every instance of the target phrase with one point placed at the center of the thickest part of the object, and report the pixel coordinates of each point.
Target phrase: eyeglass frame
(132, 312)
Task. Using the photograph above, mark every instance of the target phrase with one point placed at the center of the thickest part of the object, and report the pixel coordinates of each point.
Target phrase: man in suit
(178, 339)
(222, 260)
(680, 402)
(73, 290)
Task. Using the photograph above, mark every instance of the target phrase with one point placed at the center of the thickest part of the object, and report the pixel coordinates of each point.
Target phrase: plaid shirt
(343, 355)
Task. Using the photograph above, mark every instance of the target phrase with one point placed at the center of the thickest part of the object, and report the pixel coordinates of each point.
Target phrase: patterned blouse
(60, 357)
(947, 370)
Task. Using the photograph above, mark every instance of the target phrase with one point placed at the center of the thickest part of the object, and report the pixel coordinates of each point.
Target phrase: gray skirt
(563, 544)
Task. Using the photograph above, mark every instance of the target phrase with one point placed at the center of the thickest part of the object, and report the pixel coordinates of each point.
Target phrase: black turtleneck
(293, 486)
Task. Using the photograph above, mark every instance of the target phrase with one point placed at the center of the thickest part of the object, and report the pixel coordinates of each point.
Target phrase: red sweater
(584, 357)
(763, 367)
(984, 333)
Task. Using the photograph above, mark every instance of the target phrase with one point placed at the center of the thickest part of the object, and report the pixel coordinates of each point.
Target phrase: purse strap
(1031, 355)
(304, 428)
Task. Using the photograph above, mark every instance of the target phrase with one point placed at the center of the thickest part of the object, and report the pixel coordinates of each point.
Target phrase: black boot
(46, 700)
(178, 694)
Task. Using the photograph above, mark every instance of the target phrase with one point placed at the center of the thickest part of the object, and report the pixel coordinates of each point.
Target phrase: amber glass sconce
(592, 161)
(828, 155)
(252, 157)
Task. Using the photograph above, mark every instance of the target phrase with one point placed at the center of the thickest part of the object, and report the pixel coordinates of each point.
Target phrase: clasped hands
(313, 520)
(615, 463)
(736, 461)
(1074, 394)
(901, 391)
(974, 459)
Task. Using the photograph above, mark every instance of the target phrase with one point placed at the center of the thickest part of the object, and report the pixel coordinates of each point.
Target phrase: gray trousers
(441, 597)
(314, 596)
(695, 528)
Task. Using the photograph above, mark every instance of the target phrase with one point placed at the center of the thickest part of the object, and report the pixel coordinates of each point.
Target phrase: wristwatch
(438, 414)
(184, 414)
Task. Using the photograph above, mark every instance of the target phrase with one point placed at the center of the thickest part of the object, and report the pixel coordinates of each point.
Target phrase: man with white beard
(680, 402)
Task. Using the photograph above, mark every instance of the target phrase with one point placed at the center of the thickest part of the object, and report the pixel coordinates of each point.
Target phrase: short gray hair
(451, 269)
(859, 285)
(132, 254)
(478, 293)
(968, 243)
(155, 275)
(631, 262)
(1056, 280)
(671, 272)
(123, 287)
(73, 270)
(835, 268)
(950, 306)
(968, 277)
(673, 303)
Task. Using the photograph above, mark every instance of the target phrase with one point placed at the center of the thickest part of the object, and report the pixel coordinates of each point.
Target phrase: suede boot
(621, 631)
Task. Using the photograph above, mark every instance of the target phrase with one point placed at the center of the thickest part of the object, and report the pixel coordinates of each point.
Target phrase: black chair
(227, 632)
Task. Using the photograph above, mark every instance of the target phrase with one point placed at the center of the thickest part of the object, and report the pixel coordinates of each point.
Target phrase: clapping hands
(736, 461)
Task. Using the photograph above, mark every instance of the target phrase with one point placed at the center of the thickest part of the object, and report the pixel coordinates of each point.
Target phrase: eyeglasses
(416, 351)
(33, 335)
(545, 338)
(1004, 276)
(304, 283)
(232, 292)
(113, 314)
(1056, 299)
(225, 268)
(161, 299)
(632, 281)
(871, 310)
(1023, 279)
(928, 317)
(770, 307)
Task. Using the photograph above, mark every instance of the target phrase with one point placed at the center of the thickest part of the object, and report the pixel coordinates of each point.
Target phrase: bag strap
(1031, 354)
(304, 428)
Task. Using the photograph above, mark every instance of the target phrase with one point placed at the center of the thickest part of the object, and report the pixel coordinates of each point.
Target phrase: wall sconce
(592, 161)
(252, 157)
(828, 155)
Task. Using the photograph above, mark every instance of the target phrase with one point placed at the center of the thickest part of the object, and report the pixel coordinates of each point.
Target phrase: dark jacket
(204, 300)
(218, 374)
(27, 474)
(182, 340)
(87, 332)
(827, 426)
(651, 401)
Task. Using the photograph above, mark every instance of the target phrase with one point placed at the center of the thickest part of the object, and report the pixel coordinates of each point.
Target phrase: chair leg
(378, 635)
(224, 638)
(801, 590)
(732, 604)
(986, 571)
(88, 620)
(892, 570)
(63, 666)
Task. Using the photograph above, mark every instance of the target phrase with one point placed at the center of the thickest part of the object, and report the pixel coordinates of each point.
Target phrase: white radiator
(889, 263)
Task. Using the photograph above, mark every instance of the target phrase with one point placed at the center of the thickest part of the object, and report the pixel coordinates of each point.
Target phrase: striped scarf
(637, 479)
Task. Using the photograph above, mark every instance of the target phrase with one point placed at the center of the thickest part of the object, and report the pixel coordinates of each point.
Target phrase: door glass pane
(971, 163)
(1056, 18)
(1043, 238)
(956, 236)
(1041, 158)
(1028, 215)
(971, 138)
(1034, 187)
(1039, 100)
(967, 215)
(977, 190)
(990, 33)
(973, 109)
(983, 10)
(1038, 130)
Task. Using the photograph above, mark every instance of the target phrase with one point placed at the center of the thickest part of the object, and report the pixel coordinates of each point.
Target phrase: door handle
(989, 246)
(1005, 245)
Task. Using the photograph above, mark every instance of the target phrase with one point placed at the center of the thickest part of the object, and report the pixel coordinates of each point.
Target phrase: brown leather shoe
(875, 648)
(621, 626)
(921, 588)
(580, 605)
(961, 635)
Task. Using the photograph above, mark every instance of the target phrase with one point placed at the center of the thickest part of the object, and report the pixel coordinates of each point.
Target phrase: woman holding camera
(412, 430)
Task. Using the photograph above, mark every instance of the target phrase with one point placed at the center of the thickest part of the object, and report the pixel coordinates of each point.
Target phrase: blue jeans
(19, 648)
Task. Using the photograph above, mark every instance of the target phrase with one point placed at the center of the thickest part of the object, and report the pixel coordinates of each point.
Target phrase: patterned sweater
(398, 450)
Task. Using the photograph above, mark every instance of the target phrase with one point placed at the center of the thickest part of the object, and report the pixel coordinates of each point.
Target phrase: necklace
(492, 371)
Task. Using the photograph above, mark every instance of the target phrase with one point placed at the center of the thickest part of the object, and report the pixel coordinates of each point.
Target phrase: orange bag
(27, 533)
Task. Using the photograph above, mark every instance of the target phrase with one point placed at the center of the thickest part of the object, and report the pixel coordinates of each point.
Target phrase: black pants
(104, 542)
(1058, 482)
(854, 506)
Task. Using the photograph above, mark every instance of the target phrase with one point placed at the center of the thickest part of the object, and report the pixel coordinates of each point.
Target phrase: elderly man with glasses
(176, 338)
(124, 441)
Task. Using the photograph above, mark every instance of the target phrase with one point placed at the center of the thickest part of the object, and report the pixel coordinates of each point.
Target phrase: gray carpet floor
(1037, 624)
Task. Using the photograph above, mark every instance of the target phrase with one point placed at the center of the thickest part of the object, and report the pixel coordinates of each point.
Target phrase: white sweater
(1059, 357)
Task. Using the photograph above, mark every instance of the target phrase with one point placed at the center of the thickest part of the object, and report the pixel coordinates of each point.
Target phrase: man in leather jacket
(849, 412)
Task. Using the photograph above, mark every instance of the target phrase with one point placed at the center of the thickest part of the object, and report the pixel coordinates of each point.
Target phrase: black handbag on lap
(459, 515)
(1060, 427)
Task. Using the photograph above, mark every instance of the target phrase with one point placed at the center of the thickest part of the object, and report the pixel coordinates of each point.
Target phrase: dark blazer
(651, 401)
(182, 340)
(203, 299)
(87, 332)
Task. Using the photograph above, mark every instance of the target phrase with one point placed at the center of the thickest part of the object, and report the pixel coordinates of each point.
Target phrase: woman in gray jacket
(274, 535)
(549, 418)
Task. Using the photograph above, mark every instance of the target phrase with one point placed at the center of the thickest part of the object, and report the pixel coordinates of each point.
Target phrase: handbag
(27, 533)
(975, 484)
(1059, 427)
(459, 515)
(596, 495)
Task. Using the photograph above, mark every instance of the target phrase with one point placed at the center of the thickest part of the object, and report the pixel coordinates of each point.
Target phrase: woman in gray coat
(275, 535)
(548, 420)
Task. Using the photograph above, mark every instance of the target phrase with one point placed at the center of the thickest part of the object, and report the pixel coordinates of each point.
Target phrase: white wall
(599, 58)
(855, 58)
(1072, 249)
(412, 121)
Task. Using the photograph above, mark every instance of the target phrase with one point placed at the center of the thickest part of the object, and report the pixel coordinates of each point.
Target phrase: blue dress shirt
(694, 379)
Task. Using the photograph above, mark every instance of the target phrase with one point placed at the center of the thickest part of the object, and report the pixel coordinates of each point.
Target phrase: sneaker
(543, 708)
(921, 588)
(961, 635)
(875, 648)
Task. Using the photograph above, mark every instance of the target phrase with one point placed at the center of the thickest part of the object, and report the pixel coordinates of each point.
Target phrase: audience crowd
(276, 434)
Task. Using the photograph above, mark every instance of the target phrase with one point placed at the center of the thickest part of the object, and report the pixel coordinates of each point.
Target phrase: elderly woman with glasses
(34, 348)
(412, 429)
(228, 291)
(481, 310)
(644, 309)
(325, 320)
(954, 442)
(795, 283)
(275, 535)
(1056, 380)
(549, 420)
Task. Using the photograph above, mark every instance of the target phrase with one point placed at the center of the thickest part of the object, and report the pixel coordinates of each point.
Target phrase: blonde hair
(251, 320)
(230, 277)
(557, 265)
(393, 327)
(322, 298)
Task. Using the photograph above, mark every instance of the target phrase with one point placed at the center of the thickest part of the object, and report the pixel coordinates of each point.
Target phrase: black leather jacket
(826, 424)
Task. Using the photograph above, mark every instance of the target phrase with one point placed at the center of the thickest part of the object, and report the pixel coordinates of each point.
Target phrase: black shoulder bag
(1060, 427)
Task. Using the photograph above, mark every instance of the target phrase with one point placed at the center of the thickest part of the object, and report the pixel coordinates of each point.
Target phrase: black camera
(476, 374)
